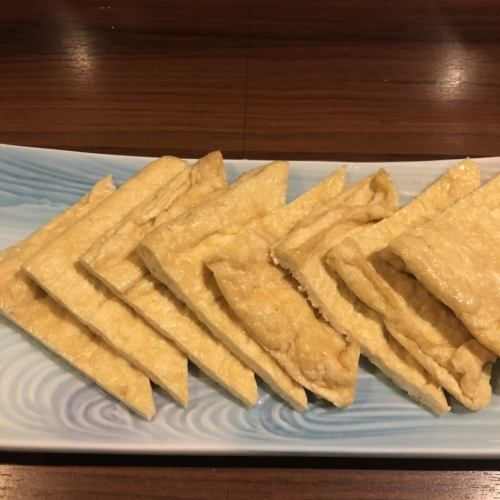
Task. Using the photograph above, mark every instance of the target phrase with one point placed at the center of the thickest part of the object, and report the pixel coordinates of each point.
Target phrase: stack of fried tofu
(129, 284)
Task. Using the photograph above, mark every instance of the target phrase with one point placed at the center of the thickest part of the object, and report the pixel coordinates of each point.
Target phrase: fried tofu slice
(113, 258)
(457, 257)
(302, 253)
(27, 305)
(4, 252)
(175, 253)
(276, 313)
(114, 261)
(416, 319)
(56, 268)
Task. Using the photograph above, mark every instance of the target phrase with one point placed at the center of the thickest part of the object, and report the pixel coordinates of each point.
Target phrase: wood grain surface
(318, 79)
(340, 79)
(28, 482)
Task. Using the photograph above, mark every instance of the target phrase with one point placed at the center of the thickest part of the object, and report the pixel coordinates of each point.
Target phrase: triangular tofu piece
(457, 257)
(113, 260)
(26, 304)
(422, 324)
(175, 254)
(302, 252)
(276, 313)
(57, 269)
(4, 252)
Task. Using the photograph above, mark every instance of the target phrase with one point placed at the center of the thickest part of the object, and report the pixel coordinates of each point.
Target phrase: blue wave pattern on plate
(44, 404)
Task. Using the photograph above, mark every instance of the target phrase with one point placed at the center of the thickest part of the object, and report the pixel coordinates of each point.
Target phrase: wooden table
(345, 79)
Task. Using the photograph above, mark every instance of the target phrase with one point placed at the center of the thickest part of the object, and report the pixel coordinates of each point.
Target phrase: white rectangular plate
(46, 405)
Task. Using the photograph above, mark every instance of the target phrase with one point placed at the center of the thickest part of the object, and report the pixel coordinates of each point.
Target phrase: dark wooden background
(343, 79)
